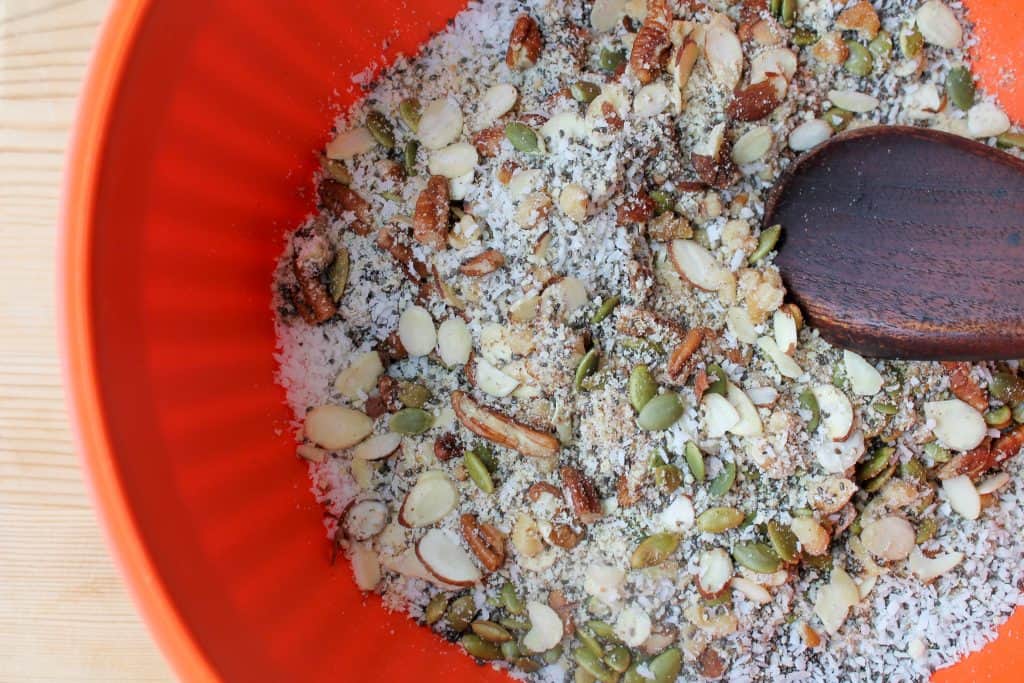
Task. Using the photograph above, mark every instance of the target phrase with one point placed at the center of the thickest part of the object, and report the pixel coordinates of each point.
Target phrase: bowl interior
(193, 158)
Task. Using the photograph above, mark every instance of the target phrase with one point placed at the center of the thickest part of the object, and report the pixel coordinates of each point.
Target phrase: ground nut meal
(553, 397)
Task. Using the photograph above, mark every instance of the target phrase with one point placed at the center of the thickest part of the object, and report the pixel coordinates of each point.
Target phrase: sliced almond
(453, 161)
(633, 626)
(524, 309)
(429, 500)
(377, 447)
(854, 101)
(493, 381)
(606, 14)
(651, 100)
(829, 495)
(784, 326)
(440, 124)
(835, 599)
(526, 536)
(813, 536)
(809, 134)
(836, 411)
(777, 61)
(445, 559)
(364, 519)
(564, 127)
(714, 571)
(565, 296)
(523, 182)
(350, 143)
(546, 627)
(360, 377)
(938, 25)
(957, 425)
(927, 569)
(724, 54)
(763, 397)
(993, 483)
(787, 366)
(362, 472)
(501, 429)
(924, 102)
(835, 457)
(482, 264)
(679, 515)
(739, 323)
(458, 188)
(962, 496)
(496, 101)
(985, 120)
(750, 422)
(752, 145)
(697, 265)
(311, 453)
(365, 566)
(890, 538)
(604, 582)
(454, 342)
(416, 330)
(865, 380)
(720, 415)
(754, 592)
(574, 202)
(334, 428)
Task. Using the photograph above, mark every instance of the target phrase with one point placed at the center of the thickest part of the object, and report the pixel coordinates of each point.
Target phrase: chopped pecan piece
(971, 463)
(643, 322)
(541, 487)
(701, 384)
(388, 388)
(719, 173)
(626, 494)
(486, 542)
(313, 255)
(754, 102)
(447, 446)
(638, 208)
(611, 116)
(652, 43)
(964, 386)
(506, 171)
(524, 44)
(564, 608)
(501, 429)
(488, 140)
(680, 362)
(861, 18)
(581, 494)
(482, 264)
(430, 221)
(416, 271)
(1008, 445)
(392, 349)
(564, 536)
(339, 199)
(710, 663)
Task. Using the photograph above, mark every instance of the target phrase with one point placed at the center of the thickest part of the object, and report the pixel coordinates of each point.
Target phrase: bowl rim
(91, 436)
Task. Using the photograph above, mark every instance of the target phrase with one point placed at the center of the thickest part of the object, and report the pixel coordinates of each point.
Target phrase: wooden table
(64, 612)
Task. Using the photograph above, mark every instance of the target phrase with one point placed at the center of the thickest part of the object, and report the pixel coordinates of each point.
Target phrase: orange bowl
(191, 159)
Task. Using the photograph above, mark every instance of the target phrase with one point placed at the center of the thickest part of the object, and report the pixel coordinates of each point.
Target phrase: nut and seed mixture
(553, 397)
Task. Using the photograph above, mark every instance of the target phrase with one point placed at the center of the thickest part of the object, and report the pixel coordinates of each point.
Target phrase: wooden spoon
(903, 242)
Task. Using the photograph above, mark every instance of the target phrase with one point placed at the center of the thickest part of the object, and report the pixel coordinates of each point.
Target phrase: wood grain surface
(64, 612)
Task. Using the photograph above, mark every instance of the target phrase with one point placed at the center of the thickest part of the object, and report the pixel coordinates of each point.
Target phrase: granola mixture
(554, 400)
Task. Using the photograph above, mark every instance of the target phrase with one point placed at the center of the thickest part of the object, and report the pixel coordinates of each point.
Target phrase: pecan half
(430, 220)
(486, 542)
(313, 254)
(638, 208)
(447, 446)
(651, 45)
(482, 264)
(541, 487)
(524, 43)
(581, 494)
(564, 536)
(680, 361)
(754, 102)
(488, 140)
(965, 387)
(339, 199)
(501, 429)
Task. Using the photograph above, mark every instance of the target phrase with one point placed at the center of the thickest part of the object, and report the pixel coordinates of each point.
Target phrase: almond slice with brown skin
(482, 264)
(429, 500)
(501, 429)
(714, 571)
(446, 560)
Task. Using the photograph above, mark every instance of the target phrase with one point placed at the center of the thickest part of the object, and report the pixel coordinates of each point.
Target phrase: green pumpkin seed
(663, 201)
(413, 395)
(588, 364)
(667, 665)
(588, 641)
(855, 526)
(660, 413)
(765, 243)
(911, 42)
(602, 629)
(642, 387)
(618, 659)
(822, 563)
(838, 118)
(885, 408)
(610, 60)
(510, 600)
(435, 609)
(783, 541)
(860, 62)
(926, 530)
(581, 675)
(1018, 413)
(486, 456)
(412, 148)
(788, 12)
(873, 485)
(1007, 387)
(522, 137)
(668, 478)
(409, 111)
(337, 170)
(380, 128)
(721, 383)
(803, 37)
(936, 452)
(881, 46)
(513, 624)
(723, 598)
(510, 651)
(913, 469)
(591, 663)
(695, 461)
(775, 7)
(960, 87)
(756, 557)
(1008, 140)
(338, 275)
(809, 402)
(632, 675)
(527, 665)
(478, 472)
(998, 417)
(461, 612)
(718, 520)
(643, 345)
(654, 550)
(605, 309)
(552, 655)
(490, 631)
(411, 421)
(480, 648)
(873, 466)
(721, 484)
(584, 91)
